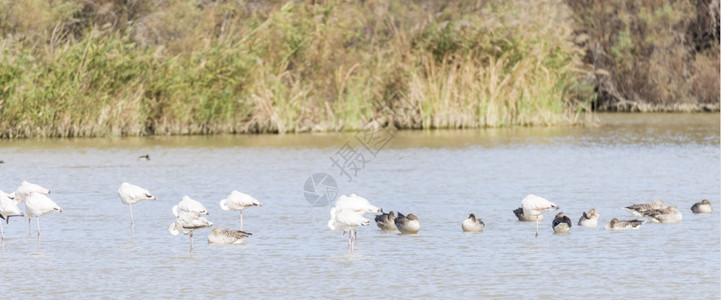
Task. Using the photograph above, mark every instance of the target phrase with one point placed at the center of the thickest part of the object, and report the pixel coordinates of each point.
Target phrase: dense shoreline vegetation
(652, 55)
(115, 68)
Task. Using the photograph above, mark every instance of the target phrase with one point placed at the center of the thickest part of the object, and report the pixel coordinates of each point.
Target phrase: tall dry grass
(99, 68)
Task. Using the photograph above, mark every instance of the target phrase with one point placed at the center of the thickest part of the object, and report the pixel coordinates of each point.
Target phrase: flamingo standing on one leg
(24, 191)
(535, 206)
(347, 221)
(188, 218)
(130, 194)
(347, 214)
(187, 222)
(239, 201)
(39, 205)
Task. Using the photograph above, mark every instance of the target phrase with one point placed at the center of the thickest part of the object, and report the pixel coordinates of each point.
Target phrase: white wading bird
(130, 194)
(347, 214)
(187, 222)
(534, 206)
(239, 201)
(24, 191)
(39, 205)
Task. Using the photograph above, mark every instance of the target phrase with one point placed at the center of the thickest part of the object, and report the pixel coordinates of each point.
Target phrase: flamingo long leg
(132, 224)
(350, 241)
(37, 220)
(241, 220)
(191, 241)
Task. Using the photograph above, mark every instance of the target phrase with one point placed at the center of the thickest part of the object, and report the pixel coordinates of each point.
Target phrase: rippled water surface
(441, 176)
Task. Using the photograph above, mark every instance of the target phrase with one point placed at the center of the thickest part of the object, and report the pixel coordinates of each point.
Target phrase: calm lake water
(441, 176)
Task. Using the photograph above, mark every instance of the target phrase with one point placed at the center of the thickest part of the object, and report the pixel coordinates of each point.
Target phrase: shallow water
(441, 176)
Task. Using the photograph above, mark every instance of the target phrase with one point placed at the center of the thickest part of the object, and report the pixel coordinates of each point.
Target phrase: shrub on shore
(95, 68)
(651, 55)
(113, 68)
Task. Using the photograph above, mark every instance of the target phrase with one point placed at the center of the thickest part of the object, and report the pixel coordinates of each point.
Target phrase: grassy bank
(112, 68)
(178, 67)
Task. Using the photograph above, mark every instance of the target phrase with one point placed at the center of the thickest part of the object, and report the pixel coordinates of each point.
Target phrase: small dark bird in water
(2, 161)
(145, 157)
(562, 223)
(386, 221)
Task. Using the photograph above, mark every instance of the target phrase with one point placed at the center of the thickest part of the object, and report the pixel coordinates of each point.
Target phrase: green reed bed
(204, 67)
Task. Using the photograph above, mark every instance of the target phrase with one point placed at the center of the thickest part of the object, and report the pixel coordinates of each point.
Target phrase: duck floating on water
(409, 224)
(561, 223)
(471, 224)
(640, 209)
(386, 221)
(615, 224)
(703, 207)
(222, 236)
(667, 215)
(589, 219)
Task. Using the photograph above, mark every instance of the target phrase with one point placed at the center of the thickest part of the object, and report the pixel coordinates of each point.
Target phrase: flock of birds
(37, 204)
(346, 214)
(189, 214)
